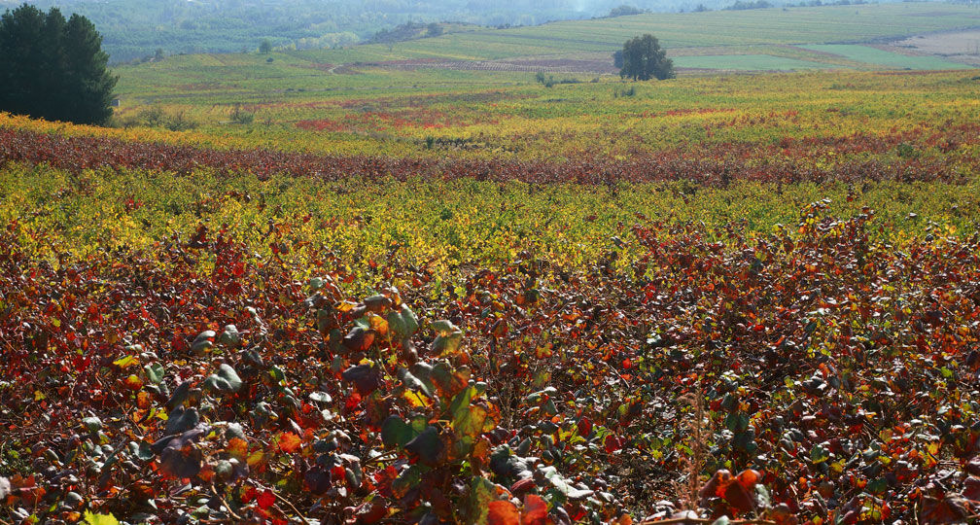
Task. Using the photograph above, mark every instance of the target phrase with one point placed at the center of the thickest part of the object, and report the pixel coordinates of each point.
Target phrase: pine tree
(52, 68)
(21, 58)
(90, 95)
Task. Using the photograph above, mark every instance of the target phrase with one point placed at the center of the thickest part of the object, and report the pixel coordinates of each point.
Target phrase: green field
(746, 62)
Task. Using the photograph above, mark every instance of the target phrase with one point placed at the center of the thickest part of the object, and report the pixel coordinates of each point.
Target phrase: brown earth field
(959, 46)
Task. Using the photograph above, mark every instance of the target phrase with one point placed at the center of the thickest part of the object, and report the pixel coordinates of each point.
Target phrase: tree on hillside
(434, 29)
(53, 68)
(265, 47)
(643, 59)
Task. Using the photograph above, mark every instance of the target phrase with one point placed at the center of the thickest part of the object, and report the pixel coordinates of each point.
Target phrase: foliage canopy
(53, 68)
(643, 59)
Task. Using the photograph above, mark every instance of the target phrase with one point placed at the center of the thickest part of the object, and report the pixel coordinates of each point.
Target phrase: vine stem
(293, 507)
(221, 498)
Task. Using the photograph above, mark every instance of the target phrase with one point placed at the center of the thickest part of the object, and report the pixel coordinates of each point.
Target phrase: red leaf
(535, 510)
(522, 485)
(738, 498)
(613, 443)
(266, 499)
(371, 512)
(971, 488)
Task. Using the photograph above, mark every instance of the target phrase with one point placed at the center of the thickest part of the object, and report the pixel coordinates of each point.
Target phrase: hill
(757, 39)
(763, 39)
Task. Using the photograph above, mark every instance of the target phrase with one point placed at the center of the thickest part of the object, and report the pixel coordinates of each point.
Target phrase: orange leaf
(503, 512)
(289, 442)
(748, 478)
(237, 447)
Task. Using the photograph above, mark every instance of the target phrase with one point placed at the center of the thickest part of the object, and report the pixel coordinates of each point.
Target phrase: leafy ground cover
(258, 371)
(745, 116)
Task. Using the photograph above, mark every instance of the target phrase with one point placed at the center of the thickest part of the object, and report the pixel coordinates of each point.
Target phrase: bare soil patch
(958, 46)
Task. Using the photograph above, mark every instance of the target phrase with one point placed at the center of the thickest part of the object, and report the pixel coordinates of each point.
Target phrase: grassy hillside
(766, 39)
(676, 31)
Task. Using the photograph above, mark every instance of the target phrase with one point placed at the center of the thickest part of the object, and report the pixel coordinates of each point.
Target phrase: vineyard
(733, 299)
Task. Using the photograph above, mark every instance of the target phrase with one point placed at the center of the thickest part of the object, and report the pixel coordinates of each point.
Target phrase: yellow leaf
(100, 519)
(126, 362)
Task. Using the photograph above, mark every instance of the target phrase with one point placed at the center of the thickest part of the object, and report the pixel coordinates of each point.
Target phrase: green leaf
(536, 397)
(443, 328)
(468, 419)
(230, 336)
(737, 422)
(407, 480)
(482, 492)
(556, 479)
(413, 383)
(92, 424)
(154, 372)
(403, 323)
(878, 486)
(203, 341)
(100, 519)
(562, 485)
(366, 377)
(182, 420)
(462, 400)
(818, 454)
(396, 432)
(447, 380)
(225, 380)
(428, 447)
(277, 374)
(447, 343)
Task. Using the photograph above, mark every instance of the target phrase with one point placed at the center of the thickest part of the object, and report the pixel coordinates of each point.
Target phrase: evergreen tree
(643, 59)
(90, 85)
(52, 68)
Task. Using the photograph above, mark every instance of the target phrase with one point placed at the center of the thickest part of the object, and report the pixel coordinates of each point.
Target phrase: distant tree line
(739, 5)
(820, 3)
(408, 31)
(53, 68)
(625, 10)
